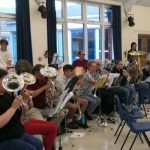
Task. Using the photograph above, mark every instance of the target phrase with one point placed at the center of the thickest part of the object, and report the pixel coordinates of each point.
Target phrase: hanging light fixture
(131, 20)
(42, 8)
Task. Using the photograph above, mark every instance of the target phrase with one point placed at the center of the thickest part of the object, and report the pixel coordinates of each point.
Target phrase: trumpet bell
(48, 72)
(12, 83)
(28, 78)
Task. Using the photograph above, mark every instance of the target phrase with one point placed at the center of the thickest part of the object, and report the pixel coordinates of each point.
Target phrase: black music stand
(64, 98)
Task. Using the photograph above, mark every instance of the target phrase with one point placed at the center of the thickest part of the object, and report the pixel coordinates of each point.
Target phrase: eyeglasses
(82, 54)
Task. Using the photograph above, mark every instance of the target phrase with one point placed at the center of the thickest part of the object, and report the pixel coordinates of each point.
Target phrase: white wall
(142, 26)
(129, 34)
(38, 33)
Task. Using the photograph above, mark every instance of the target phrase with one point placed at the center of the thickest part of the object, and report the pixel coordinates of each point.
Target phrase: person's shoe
(72, 126)
(80, 124)
(88, 117)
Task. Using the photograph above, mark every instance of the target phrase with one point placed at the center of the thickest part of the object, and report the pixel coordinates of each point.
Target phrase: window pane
(93, 13)
(58, 6)
(108, 43)
(8, 6)
(74, 10)
(107, 14)
(8, 32)
(75, 40)
(94, 41)
(60, 49)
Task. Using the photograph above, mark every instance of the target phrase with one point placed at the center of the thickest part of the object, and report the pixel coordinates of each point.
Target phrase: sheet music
(111, 78)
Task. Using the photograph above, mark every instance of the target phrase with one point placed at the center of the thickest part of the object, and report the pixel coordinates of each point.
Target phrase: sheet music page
(111, 78)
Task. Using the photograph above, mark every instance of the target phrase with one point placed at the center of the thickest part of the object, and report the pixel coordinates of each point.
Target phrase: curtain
(51, 29)
(116, 24)
(24, 47)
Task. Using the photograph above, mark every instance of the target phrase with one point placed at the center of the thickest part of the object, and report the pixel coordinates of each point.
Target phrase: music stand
(100, 82)
(63, 99)
(66, 94)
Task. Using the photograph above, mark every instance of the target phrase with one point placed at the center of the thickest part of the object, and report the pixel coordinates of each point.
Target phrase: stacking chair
(135, 127)
(120, 111)
(143, 98)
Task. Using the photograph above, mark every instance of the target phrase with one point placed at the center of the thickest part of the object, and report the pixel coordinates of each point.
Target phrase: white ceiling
(128, 4)
(145, 3)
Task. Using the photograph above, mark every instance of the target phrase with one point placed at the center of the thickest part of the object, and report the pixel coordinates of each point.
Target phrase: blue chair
(144, 94)
(120, 111)
(135, 127)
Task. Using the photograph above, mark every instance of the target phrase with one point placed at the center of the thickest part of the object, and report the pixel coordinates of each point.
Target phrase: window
(75, 39)
(58, 6)
(60, 43)
(93, 13)
(74, 10)
(86, 26)
(8, 25)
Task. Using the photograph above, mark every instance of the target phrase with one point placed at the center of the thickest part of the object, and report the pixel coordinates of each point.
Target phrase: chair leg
(118, 128)
(133, 142)
(146, 138)
(145, 110)
(125, 140)
(139, 134)
(119, 133)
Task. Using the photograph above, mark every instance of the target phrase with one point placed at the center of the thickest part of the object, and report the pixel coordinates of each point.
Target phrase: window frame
(64, 20)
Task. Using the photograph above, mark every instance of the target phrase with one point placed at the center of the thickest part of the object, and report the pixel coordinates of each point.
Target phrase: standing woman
(12, 134)
(133, 49)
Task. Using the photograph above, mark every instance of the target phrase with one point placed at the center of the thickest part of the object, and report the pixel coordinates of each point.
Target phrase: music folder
(101, 82)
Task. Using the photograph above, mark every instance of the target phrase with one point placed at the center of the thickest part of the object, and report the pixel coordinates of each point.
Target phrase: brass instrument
(14, 83)
(51, 73)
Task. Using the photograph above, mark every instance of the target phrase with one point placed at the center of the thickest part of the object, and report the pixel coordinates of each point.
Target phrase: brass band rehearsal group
(32, 95)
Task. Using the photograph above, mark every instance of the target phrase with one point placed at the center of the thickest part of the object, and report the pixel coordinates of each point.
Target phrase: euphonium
(51, 73)
(14, 83)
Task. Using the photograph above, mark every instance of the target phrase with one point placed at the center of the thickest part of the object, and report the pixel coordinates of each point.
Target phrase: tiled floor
(101, 138)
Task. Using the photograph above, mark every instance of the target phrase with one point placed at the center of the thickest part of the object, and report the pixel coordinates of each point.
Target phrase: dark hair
(68, 67)
(3, 41)
(117, 61)
(132, 44)
(79, 53)
(37, 68)
(3, 73)
(23, 65)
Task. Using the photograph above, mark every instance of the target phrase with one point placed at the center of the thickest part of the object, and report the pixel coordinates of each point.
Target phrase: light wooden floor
(101, 138)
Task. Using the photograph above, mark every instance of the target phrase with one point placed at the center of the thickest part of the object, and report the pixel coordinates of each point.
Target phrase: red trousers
(45, 128)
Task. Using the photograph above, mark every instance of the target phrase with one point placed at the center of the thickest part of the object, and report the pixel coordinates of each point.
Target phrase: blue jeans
(125, 93)
(143, 90)
(93, 102)
(26, 142)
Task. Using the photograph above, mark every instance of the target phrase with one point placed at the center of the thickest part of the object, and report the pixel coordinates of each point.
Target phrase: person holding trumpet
(12, 134)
